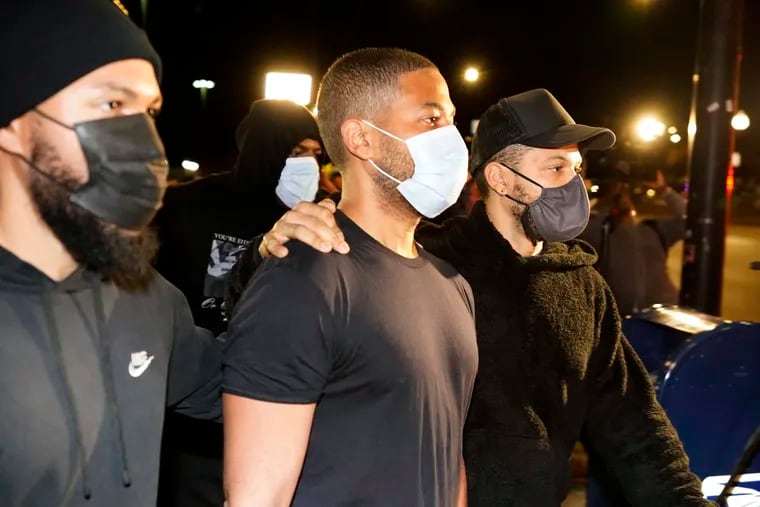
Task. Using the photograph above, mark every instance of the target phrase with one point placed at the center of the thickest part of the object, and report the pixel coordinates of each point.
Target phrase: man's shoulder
(305, 262)
(443, 266)
(157, 291)
(452, 276)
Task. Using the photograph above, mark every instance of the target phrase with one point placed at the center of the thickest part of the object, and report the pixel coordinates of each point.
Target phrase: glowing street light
(204, 85)
(740, 121)
(649, 128)
(190, 165)
(288, 86)
(471, 74)
(691, 129)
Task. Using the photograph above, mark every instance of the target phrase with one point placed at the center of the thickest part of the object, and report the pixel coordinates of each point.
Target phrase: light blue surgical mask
(440, 169)
(299, 181)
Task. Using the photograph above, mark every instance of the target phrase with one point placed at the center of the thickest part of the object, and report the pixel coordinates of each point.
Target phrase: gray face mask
(559, 213)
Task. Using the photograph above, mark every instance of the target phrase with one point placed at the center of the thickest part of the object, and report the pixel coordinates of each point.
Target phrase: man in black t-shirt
(347, 378)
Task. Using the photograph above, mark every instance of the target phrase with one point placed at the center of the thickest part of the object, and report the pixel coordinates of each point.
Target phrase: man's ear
(496, 177)
(12, 136)
(356, 139)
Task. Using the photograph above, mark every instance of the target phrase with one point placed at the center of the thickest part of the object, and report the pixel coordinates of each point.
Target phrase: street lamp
(144, 9)
(471, 74)
(190, 165)
(204, 85)
(288, 86)
(649, 128)
(740, 121)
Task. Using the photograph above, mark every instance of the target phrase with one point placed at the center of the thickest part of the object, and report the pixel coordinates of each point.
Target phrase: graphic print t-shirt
(224, 253)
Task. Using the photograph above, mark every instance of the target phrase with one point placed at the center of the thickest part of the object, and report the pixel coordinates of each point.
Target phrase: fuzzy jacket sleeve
(628, 429)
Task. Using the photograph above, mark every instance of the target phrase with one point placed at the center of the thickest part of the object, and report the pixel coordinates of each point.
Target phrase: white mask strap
(384, 173)
(397, 138)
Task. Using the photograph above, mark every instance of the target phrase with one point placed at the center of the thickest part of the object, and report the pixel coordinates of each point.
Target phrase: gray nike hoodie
(86, 372)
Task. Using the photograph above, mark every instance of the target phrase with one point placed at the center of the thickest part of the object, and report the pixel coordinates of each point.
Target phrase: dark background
(606, 61)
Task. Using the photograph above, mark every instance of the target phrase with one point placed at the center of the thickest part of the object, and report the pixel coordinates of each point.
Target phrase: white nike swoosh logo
(136, 371)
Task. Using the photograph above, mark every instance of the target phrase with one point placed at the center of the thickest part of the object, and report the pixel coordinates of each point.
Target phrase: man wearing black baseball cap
(95, 345)
(554, 366)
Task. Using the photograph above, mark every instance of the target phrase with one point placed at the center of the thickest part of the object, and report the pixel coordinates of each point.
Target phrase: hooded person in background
(205, 224)
(203, 227)
(95, 345)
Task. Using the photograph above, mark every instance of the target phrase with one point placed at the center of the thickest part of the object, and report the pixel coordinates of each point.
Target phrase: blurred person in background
(633, 252)
(203, 227)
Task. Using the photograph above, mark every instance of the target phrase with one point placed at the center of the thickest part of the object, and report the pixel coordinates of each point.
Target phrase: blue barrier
(707, 375)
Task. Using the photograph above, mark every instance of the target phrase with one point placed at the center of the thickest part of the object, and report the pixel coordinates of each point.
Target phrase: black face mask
(559, 213)
(127, 169)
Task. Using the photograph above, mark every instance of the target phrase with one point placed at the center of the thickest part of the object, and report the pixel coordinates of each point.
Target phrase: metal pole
(204, 92)
(716, 88)
(144, 9)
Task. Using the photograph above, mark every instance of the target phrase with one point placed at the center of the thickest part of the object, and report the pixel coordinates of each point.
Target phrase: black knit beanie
(45, 45)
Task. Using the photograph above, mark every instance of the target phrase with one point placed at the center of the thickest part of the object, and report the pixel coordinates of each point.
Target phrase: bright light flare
(471, 74)
(203, 83)
(740, 121)
(288, 86)
(190, 165)
(649, 128)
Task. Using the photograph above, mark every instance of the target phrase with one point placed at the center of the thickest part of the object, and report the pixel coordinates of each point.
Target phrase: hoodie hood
(266, 137)
(17, 275)
(568, 255)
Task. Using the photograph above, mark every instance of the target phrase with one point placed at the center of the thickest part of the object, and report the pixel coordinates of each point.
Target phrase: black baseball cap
(533, 118)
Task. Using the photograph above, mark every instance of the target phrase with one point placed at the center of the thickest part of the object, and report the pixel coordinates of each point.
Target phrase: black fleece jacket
(554, 368)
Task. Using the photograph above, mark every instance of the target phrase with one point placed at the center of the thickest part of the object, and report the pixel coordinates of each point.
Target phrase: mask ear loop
(29, 162)
(377, 167)
(50, 118)
(397, 138)
(522, 176)
(36, 169)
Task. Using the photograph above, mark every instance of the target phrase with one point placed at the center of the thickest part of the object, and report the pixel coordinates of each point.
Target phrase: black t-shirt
(384, 345)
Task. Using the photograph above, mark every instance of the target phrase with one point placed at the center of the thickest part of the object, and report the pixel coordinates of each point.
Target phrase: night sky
(606, 61)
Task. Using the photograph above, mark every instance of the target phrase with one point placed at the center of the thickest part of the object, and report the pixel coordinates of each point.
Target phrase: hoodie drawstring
(105, 360)
(104, 351)
(69, 408)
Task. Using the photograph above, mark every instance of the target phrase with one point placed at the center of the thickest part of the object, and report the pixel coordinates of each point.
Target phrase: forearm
(205, 402)
(239, 492)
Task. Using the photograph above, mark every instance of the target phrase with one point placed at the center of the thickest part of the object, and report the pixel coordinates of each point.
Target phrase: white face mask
(440, 169)
(299, 181)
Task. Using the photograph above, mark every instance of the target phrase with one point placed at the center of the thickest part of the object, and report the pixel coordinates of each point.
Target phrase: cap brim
(592, 138)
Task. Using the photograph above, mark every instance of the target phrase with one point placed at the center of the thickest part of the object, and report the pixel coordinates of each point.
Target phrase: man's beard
(397, 162)
(120, 257)
(519, 210)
